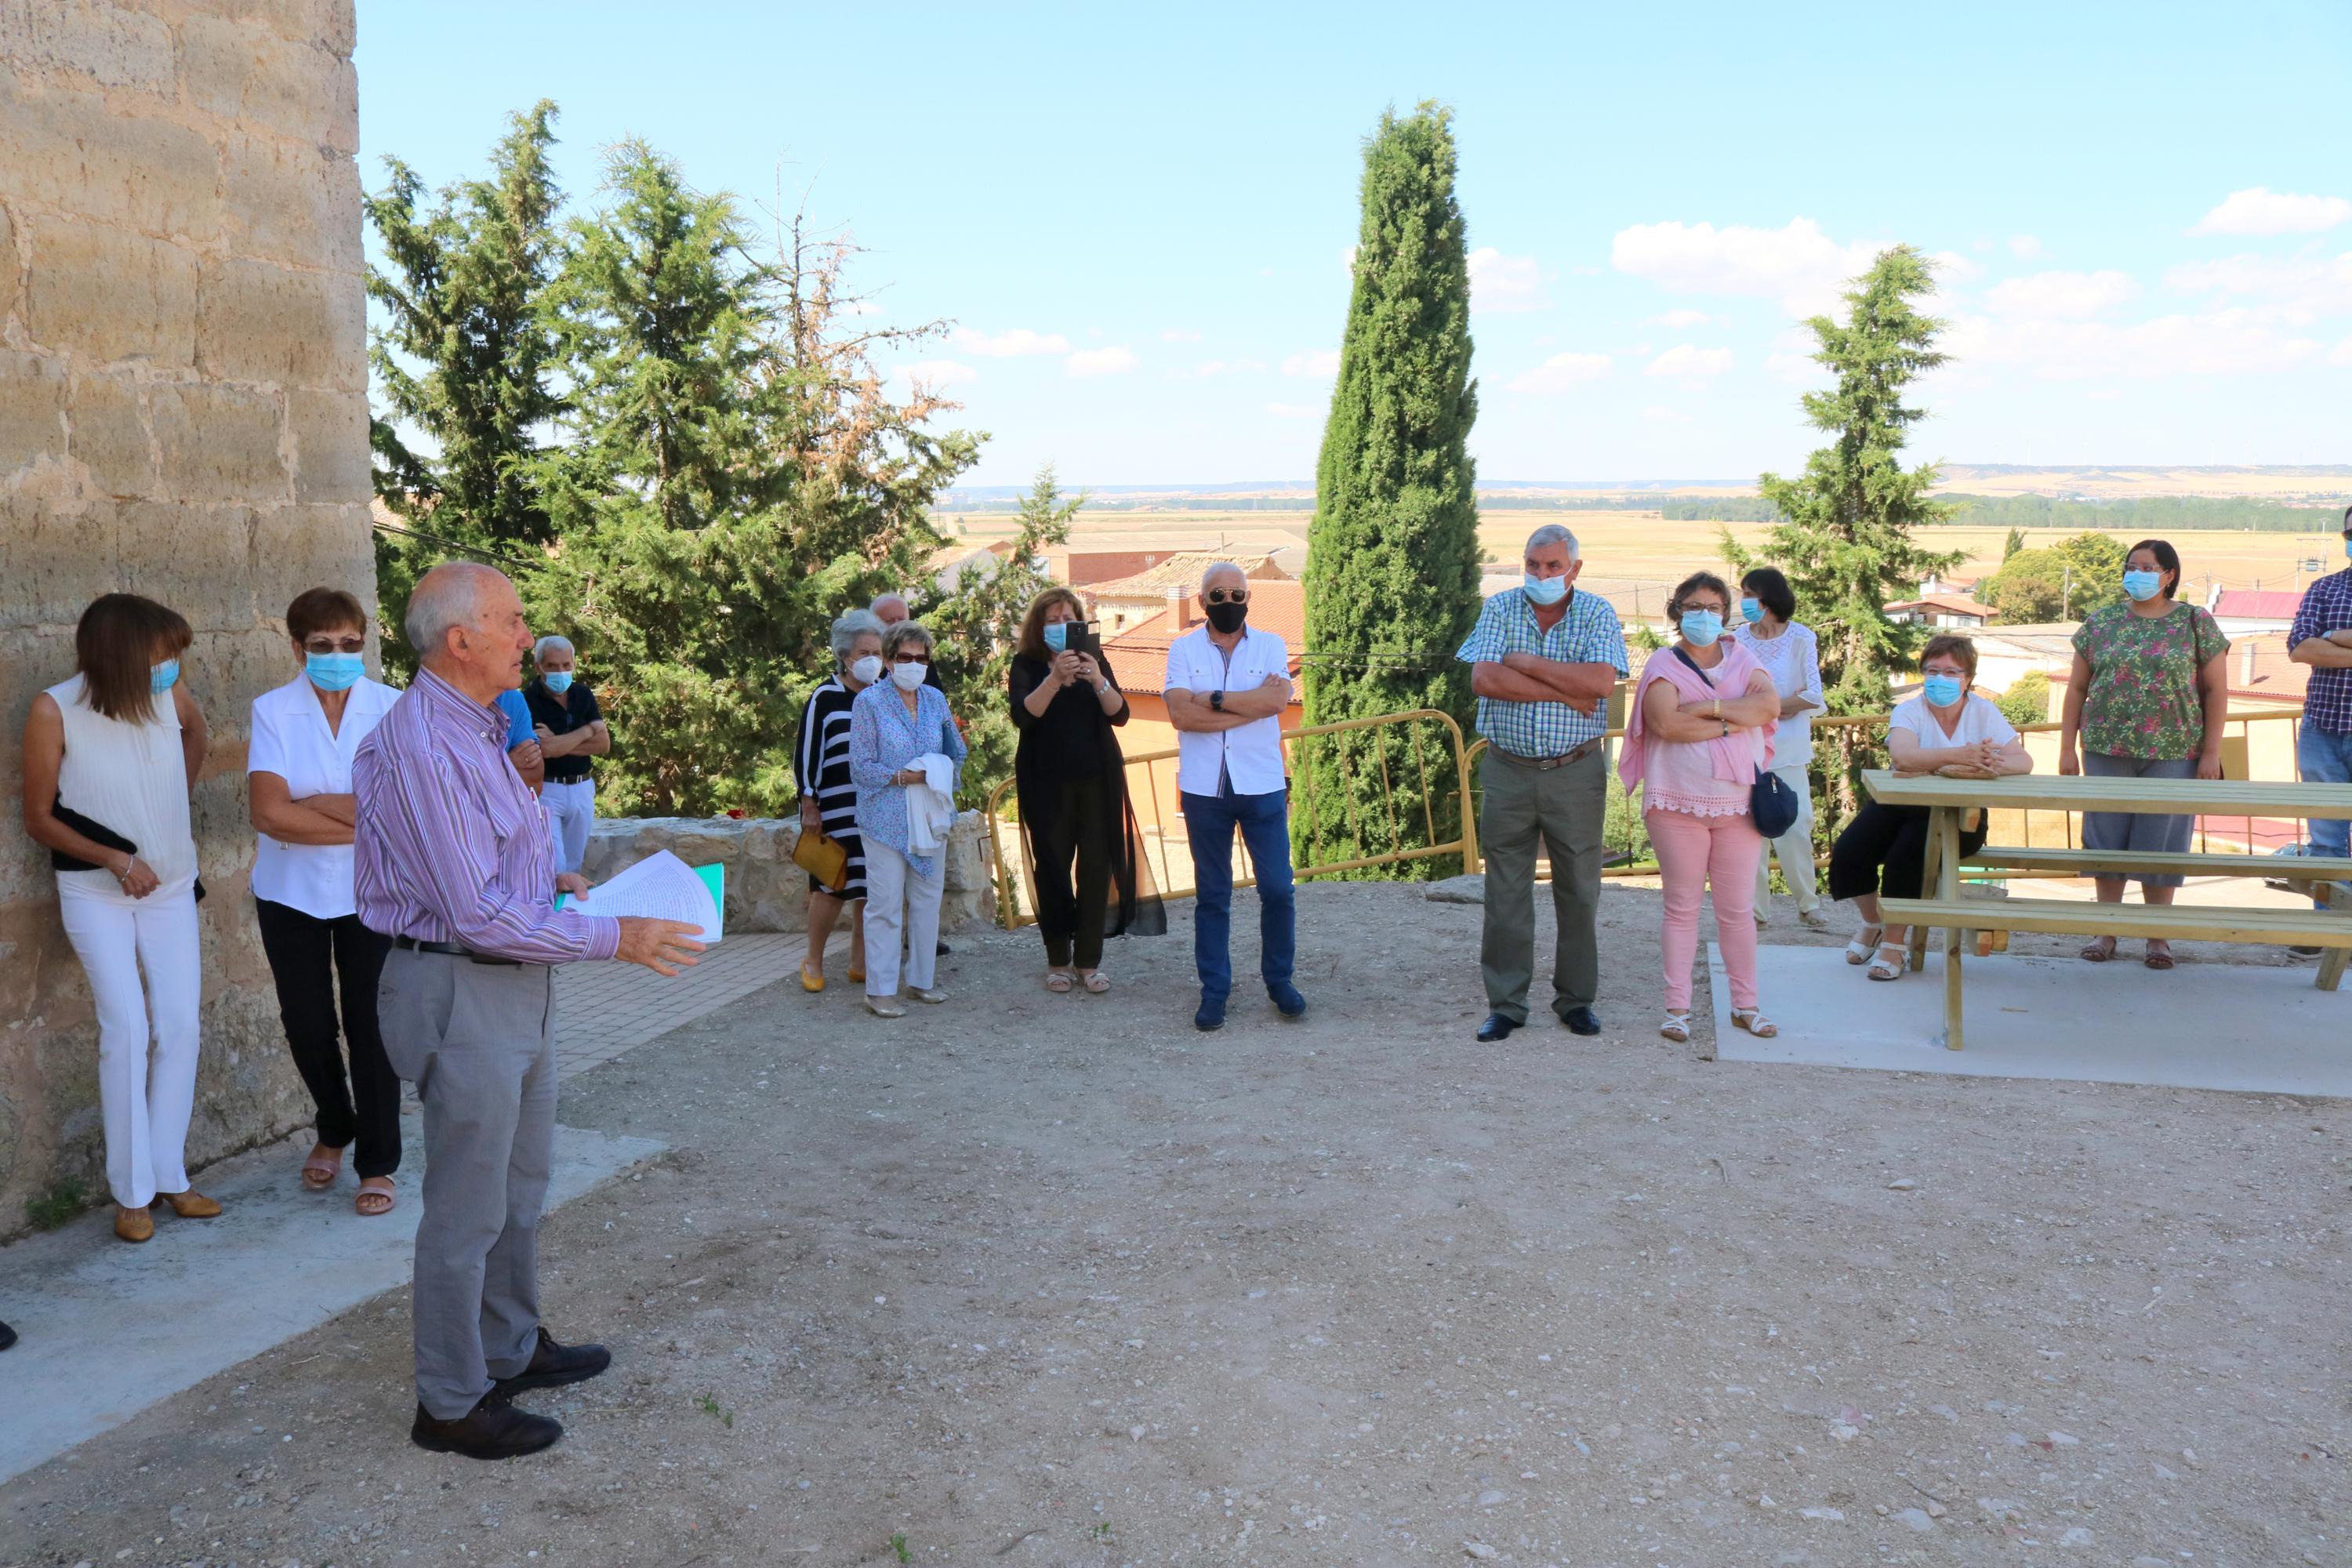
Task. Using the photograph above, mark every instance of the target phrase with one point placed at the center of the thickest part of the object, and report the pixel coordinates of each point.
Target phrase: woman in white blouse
(1791, 656)
(109, 757)
(305, 734)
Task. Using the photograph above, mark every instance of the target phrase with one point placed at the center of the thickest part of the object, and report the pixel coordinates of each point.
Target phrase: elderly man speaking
(454, 864)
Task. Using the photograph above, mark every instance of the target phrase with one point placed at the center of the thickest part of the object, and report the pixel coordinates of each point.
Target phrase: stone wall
(182, 414)
(765, 892)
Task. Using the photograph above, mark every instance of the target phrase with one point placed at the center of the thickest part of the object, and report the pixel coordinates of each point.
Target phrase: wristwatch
(1216, 701)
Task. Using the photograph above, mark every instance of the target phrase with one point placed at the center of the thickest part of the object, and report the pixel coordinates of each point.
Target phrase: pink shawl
(1733, 758)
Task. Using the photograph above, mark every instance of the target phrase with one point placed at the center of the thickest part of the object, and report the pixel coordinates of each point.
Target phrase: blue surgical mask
(1752, 611)
(559, 681)
(1943, 690)
(332, 672)
(2143, 585)
(1701, 627)
(1544, 590)
(2348, 544)
(1057, 635)
(162, 677)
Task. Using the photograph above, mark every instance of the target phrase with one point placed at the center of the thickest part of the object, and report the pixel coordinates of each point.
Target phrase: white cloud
(1688, 360)
(2068, 296)
(2305, 288)
(1663, 415)
(1951, 266)
(2342, 354)
(2219, 342)
(1794, 370)
(1012, 345)
(1293, 410)
(936, 373)
(1180, 335)
(1678, 319)
(1315, 362)
(2260, 210)
(1503, 284)
(1211, 367)
(1117, 360)
(2026, 247)
(1797, 265)
(1561, 371)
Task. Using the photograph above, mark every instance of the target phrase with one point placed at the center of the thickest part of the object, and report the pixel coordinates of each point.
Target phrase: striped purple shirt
(451, 844)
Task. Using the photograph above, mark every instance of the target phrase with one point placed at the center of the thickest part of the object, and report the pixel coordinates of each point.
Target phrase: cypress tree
(1391, 581)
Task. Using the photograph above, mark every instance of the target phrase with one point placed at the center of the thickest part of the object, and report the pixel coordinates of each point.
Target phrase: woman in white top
(1791, 656)
(110, 756)
(299, 766)
(1947, 728)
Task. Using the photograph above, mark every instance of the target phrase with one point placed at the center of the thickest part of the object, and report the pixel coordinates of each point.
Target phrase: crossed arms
(2324, 651)
(1190, 710)
(1528, 678)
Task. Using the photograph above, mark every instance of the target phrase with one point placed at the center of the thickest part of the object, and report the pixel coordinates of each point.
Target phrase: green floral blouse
(2143, 700)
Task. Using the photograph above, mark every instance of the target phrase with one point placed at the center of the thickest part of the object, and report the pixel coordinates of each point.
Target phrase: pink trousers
(1694, 851)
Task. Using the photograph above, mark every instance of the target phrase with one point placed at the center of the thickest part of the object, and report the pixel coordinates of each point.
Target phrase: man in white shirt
(1227, 685)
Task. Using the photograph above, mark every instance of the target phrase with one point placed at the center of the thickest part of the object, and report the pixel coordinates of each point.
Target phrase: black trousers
(1885, 850)
(1071, 918)
(307, 957)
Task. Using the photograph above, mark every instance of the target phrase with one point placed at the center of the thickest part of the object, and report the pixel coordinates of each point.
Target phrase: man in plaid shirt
(1544, 659)
(2322, 638)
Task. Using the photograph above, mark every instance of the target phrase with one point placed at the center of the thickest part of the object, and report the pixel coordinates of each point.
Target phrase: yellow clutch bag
(822, 858)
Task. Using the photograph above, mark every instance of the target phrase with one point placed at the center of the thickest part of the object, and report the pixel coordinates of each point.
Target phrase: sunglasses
(1225, 597)
(335, 645)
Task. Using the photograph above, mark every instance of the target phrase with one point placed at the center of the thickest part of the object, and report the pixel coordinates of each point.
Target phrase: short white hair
(891, 598)
(563, 645)
(853, 625)
(1217, 567)
(1552, 533)
(448, 596)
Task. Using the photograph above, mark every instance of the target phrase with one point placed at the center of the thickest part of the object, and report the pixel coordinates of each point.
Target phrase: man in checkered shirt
(1544, 659)
(2322, 638)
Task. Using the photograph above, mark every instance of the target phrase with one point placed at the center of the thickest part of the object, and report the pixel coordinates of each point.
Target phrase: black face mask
(1227, 615)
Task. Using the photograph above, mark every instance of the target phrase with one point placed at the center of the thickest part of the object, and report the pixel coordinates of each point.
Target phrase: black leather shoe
(493, 1429)
(553, 1364)
(1581, 1021)
(1497, 1026)
(8, 1336)
(941, 950)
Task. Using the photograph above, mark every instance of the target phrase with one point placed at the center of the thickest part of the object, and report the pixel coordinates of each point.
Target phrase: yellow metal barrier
(1431, 780)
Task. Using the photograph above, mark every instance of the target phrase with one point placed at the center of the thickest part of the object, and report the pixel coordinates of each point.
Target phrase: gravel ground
(1035, 1279)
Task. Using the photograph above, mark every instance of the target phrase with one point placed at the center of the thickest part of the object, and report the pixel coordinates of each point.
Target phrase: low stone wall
(765, 892)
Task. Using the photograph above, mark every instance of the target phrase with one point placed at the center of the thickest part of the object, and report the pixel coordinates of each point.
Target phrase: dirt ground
(1035, 1280)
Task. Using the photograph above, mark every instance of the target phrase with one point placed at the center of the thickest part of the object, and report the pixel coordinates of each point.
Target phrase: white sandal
(1859, 951)
(1883, 968)
(1677, 1027)
(1753, 1020)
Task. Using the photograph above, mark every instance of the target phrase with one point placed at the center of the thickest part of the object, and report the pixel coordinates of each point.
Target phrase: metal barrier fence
(1340, 821)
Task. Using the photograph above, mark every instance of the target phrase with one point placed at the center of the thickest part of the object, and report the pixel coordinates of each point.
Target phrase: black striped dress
(821, 767)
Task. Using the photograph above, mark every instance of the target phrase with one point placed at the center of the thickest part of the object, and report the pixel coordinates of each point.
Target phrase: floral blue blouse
(883, 738)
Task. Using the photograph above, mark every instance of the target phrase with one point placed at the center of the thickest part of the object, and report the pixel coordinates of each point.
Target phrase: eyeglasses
(1225, 597)
(334, 644)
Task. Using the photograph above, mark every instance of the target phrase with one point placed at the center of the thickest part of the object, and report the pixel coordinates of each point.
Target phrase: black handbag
(98, 833)
(1773, 805)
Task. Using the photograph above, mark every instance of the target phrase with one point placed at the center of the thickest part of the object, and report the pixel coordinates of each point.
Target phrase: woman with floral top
(2146, 700)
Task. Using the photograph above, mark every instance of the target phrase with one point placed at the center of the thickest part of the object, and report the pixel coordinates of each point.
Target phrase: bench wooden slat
(2169, 797)
(2187, 922)
(2275, 868)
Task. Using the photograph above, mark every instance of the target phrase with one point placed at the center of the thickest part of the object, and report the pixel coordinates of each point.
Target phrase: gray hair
(447, 596)
(902, 634)
(561, 644)
(853, 625)
(1217, 567)
(1553, 533)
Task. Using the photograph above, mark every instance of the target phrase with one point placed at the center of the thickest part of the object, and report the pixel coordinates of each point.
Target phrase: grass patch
(51, 1209)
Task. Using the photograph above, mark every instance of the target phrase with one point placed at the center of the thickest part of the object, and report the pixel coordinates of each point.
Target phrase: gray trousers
(2138, 829)
(1565, 808)
(478, 1042)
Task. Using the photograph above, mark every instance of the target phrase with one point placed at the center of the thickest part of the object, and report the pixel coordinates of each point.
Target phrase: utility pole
(2067, 597)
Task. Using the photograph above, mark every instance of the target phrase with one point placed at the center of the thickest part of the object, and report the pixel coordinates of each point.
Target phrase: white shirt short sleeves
(1980, 721)
(290, 738)
(1250, 755)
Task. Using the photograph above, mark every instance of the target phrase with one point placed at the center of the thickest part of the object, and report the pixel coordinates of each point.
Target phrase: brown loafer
(192, 1205)
(133, 1225)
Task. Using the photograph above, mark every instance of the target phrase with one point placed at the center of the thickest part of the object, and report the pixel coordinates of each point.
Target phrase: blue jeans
(1265, 824)
(2324, 758)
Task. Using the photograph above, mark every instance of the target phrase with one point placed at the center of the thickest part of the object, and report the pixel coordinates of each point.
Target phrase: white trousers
(146, 1096)
(901, 909)
(571, 807)
(1794, 847)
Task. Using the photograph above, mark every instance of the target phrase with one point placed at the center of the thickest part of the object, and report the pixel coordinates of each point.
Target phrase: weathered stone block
(112, 46)
(289, 201)
(219, 443)
(765, 892)
(32, 409)
(12, 275)
(108, 434)
(55, 556)
(248, 73)
(326, 23)
(257, 321)
(193, 558)
(111, 294)
(72, 150)
(299, 547)
(330, 445)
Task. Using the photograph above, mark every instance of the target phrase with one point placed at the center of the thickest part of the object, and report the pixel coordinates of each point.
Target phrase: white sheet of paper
(660, 887)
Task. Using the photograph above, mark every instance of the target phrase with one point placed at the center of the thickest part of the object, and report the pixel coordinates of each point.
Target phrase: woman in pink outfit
(1697, 732)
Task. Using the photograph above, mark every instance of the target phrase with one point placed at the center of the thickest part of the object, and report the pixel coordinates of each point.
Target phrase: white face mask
(867, 670)
(908, 676)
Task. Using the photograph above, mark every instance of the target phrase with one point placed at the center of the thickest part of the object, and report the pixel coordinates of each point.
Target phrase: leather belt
(452, 950)
(1545, 764)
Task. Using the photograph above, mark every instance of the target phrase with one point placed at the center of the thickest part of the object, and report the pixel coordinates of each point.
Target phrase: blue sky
(1137, 218)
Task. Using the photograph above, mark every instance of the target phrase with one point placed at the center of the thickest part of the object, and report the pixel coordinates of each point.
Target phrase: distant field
(1632, 557)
